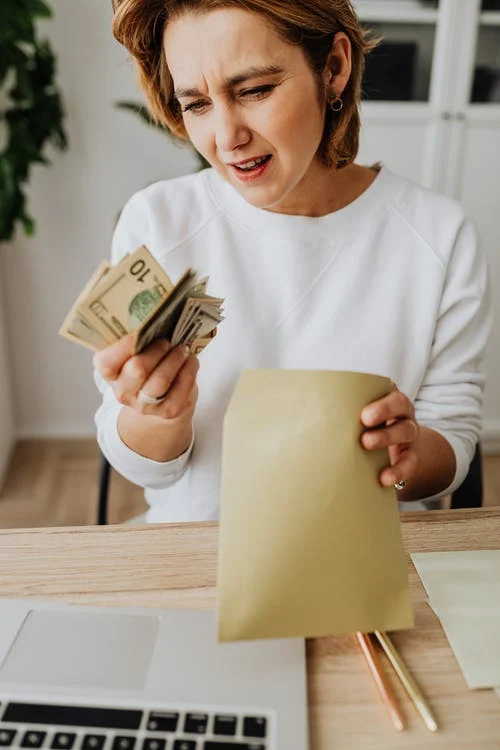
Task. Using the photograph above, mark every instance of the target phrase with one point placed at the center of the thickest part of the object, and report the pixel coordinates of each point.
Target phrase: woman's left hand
(392, 424)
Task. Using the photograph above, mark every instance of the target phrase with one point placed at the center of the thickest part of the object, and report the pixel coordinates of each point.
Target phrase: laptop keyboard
(74, 727)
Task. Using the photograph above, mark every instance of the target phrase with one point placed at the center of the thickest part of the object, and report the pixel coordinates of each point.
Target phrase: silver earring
(335, 103)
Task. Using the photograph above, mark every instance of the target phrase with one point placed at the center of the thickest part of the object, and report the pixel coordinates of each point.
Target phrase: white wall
(6, 407)
(75, 202)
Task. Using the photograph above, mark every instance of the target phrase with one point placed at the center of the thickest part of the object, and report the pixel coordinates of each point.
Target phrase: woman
(324, 264)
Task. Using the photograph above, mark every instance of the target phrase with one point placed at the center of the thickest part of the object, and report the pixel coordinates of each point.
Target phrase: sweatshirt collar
(237, 208)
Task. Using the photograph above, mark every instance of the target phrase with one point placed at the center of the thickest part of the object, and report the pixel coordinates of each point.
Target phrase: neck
(326, 190)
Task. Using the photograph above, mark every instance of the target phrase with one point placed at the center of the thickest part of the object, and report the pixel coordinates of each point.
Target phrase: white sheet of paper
(464, 591)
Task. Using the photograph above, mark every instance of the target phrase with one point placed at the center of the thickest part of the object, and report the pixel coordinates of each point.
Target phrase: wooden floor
(55, 483)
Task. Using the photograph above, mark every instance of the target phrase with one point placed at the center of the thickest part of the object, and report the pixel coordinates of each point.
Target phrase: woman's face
(250, 105)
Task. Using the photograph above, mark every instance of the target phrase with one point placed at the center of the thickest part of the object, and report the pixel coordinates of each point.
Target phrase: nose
(231, 131)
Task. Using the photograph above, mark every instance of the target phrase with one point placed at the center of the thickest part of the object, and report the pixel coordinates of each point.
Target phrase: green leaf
(7, 178)
(43, 71)
(28, 224)
(16, 25)
(37, 9)
(23, 89)
(32, 109)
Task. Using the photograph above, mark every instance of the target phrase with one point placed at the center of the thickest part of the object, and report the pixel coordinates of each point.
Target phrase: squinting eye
(194, 107)
(258, 92)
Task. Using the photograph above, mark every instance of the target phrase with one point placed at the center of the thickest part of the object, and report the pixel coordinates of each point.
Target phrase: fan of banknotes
(136, 296)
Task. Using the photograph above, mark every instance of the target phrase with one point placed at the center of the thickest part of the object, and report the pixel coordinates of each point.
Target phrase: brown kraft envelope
(309, 542)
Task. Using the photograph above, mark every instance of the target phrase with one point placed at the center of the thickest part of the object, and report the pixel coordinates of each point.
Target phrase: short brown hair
(311, 24)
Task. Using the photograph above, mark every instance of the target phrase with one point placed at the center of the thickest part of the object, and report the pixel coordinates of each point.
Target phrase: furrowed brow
(236, 80)
(254, 72)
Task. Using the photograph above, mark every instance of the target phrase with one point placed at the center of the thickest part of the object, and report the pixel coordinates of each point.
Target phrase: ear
(338, 65)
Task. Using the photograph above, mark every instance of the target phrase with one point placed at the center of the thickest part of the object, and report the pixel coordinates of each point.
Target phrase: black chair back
(470, 492)
(102, 499)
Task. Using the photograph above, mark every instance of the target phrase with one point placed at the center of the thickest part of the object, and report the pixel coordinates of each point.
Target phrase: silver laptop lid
(151, 659)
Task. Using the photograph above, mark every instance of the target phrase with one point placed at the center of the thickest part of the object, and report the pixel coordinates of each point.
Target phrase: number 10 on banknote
(137, 296)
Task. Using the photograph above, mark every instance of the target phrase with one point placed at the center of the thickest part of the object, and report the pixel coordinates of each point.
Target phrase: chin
(260, 198)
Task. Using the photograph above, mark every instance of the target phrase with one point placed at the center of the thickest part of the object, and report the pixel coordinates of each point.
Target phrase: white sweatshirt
(392, 284)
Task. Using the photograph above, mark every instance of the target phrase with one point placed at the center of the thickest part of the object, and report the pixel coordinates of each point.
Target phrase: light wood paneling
(55, 483)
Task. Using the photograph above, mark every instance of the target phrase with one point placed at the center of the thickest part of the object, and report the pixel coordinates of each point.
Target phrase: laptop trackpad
(82, 649)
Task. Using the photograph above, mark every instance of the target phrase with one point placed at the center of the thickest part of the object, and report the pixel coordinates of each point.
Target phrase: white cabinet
(434, 116)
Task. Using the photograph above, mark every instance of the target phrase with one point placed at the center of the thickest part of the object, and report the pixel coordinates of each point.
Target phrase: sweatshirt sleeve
(131, 232)
(451, 396)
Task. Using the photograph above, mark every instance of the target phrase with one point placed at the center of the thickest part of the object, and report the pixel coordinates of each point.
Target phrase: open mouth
(254, 164)
(252, 168)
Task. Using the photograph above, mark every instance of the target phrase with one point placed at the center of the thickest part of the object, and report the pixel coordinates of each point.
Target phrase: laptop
(97, 678)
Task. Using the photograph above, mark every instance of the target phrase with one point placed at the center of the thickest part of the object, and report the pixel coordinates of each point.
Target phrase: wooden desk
(175, 566)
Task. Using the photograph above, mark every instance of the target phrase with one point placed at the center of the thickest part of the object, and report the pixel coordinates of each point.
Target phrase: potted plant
(31, 113)
(31, 117)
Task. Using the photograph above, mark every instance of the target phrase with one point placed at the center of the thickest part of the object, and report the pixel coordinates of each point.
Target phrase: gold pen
(381, 681)
(409, 683)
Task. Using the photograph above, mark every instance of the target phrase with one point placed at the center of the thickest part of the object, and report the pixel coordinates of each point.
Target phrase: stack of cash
(136, 296)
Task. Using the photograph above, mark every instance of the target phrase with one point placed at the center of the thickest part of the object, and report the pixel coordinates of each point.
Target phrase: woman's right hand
(159, 384)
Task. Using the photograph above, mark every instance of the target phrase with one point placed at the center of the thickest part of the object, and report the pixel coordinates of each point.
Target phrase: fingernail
(386, 481)
(186, 351)
(369, 416)
(369, 441)
(165, 345)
